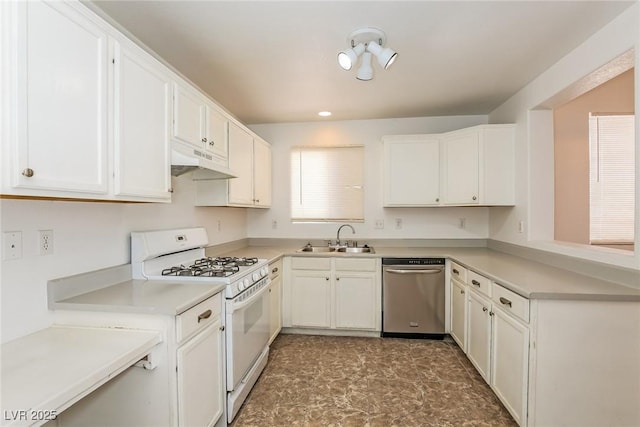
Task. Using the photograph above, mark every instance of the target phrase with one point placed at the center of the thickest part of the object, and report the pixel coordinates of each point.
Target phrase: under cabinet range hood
(186, 159)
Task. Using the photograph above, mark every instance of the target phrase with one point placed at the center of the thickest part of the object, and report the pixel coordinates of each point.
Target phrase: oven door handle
(249, 301)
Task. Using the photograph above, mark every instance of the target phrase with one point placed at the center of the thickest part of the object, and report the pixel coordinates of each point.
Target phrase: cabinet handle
(505, 301)
(170, 190)
(462, 291)
(485, 309)
(204, 139)
(257, 200)
(212, 143)
(326, 278)
(275, 270)
(491, 313)
(437, 200)
(28, 172)
(222, 328)
(474, 197)
(337, 279)
(455, 271)
(204, 315)
(475, 282)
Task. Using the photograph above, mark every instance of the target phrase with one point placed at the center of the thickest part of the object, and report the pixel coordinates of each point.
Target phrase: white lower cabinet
(479, 330)
(182, 384)
(510, 362)
(491, 325)
(200, 399)
(275, 299)
(459, 313)
(333, 293)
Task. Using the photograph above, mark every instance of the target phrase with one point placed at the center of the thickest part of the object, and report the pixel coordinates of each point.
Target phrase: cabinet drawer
(306, 263)
(458, 272)
(198, 317)
(510, 302)
(355, 264)
(275, 269)
(479, 283)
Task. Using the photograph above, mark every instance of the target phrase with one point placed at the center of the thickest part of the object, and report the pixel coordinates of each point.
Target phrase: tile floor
(346, 381)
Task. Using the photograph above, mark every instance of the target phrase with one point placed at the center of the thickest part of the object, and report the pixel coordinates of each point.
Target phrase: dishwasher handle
(414, 271)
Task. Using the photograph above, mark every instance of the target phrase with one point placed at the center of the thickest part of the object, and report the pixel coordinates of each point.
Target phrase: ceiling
(275, 61)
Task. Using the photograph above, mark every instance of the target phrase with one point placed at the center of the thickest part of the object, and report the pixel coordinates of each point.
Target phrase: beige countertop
(530, 279)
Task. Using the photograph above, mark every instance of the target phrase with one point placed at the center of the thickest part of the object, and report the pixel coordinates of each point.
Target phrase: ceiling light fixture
(365, 42)
(324, 113)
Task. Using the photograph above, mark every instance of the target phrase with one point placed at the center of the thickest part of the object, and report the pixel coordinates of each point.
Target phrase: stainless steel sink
(357, 250)
(317, 249)
(341, 249)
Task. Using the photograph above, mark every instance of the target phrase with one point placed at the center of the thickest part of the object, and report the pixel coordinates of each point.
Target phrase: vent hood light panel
(185, 159)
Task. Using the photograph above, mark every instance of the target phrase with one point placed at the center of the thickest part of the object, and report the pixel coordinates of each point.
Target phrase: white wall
(418, 223)
(534, 149)
(89, 236)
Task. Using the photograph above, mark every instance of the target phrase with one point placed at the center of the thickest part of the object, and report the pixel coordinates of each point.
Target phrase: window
(327, 183)
(611, 179)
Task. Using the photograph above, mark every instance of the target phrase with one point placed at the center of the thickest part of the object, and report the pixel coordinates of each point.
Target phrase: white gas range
(180, 254)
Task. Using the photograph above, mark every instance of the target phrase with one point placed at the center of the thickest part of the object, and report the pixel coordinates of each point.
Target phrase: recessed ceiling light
(324, 113)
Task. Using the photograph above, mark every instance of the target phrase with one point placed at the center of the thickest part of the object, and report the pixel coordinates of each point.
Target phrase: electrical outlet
(11, 245)
(219, 225)
(398, 223)
(521, 227)
(45, 239)
(274, 224)
(462, 222)
(379, 224)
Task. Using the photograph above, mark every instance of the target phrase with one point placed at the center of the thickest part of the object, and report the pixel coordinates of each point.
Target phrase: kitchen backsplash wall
(89, 236)
(417, 223)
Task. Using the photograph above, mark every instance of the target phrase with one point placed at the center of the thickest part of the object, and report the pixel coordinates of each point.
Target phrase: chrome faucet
(353, 231)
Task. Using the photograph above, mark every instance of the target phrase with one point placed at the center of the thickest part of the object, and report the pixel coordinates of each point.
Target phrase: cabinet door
(262, 173)
(275, 298)
(200, 396)
(355, 301)
(188, 116)
(479, 333)
(142, 105)
(240, 162)
(461, 172)
(510, 363)
(458, 313)
(60, 100)
(310, 298)
(412, 171)
(216, 132)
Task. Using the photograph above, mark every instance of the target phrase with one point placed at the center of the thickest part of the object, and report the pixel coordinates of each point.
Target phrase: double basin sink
(339, 249)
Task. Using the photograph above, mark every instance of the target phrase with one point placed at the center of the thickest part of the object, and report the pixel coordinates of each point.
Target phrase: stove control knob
(264, 271)
(255, 276)
(241, 285)
(246, 283)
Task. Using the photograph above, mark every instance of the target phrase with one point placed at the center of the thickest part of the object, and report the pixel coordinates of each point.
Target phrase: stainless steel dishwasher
(413, 297)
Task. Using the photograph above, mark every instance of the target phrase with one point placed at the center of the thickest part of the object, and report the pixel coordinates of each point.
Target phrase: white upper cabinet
(468, 167)
(241, 162)
(215, 133)
(199, 123)
(250, 160)
(58, 112)
(411, 170)
(86, 113)
(141, 137)
(479, 165)
(188, 115)
(262, 173)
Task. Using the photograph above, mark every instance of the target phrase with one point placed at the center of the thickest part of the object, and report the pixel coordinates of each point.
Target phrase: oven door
(247, 334)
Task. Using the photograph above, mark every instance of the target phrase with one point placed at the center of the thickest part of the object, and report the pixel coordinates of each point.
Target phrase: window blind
(611, 178)
(327, 183)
